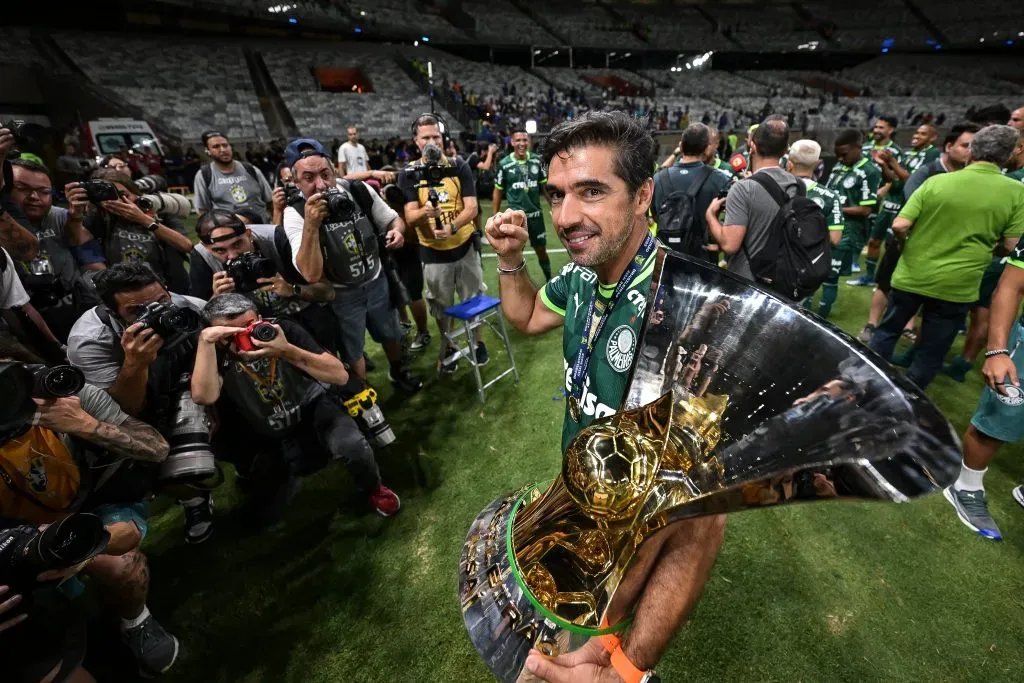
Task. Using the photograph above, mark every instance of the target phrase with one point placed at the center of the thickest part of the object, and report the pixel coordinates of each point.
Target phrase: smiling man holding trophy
(690, 393)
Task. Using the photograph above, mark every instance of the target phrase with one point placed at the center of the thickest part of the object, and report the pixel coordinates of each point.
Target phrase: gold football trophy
(737, 399)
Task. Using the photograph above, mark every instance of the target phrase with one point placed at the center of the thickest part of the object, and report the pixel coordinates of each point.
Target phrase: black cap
(218, 218)
(212, 134)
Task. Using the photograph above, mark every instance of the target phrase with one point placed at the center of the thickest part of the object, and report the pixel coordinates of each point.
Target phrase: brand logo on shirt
(589, 403)
(621, 345)
(442, 196)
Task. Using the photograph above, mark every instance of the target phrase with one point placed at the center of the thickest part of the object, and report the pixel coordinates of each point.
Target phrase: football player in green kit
(520, 177)
(880, 150)
(856, 179)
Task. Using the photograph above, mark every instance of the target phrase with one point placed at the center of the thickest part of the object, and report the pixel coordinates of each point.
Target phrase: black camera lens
(16, 405)
(340, 206)
(56, 382)
(263, 332)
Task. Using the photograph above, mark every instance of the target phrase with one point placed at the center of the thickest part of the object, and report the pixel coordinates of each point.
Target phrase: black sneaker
(406, 329)
(420, 341)
(405, 380)
(482, 357)
(198, 518)
(154, 648)
(450, 363)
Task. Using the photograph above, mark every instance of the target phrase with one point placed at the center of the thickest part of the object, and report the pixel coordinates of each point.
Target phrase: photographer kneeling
(139, 345)
(59, 441)
(276, 376)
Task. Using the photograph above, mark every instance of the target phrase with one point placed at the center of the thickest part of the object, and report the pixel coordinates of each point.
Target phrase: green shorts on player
(520, 180)
(537, 230)
(858, 185)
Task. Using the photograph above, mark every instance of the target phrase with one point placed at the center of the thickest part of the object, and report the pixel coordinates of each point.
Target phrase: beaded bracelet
(512, 271)
(997, 352)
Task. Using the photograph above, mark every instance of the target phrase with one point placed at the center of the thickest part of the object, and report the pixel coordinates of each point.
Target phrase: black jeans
(939, 325)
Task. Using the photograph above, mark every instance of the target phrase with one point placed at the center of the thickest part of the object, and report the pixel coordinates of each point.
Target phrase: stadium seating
(674, 28)
(872, 25)
(969, 28)
(405, 17)
(499, 22)
(760, 27)
(588, 25)
(16, 49)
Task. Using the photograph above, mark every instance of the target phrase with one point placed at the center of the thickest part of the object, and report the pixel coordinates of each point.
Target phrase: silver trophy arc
(737, 399)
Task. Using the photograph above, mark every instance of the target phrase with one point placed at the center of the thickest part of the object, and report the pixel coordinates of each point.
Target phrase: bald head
(769, 139)
(803, 157)
(1017, 119)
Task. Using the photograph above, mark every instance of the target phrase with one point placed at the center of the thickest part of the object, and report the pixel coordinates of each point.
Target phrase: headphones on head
(442, 123)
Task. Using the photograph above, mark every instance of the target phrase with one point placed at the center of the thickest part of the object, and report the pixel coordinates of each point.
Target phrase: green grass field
(823, 592)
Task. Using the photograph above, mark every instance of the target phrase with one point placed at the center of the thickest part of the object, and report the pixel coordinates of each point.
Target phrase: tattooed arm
(16, 239)
(131, 439)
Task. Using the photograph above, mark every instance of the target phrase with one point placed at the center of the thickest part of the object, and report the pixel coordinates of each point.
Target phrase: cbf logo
(238, 194)
(442, 196)
(621, 346)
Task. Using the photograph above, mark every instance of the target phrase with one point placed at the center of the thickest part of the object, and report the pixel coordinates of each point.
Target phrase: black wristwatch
(153, 226)
(296, 290)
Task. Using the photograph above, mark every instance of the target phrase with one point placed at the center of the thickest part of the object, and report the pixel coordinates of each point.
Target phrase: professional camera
(99, 191)
(188, 436)
(26, 552)
(20, 383)
(430, 172)
(259, 330)
(151, 184)
(292, 193)
(17, 128)
(247, 269)
(340, 206)
(173, 324)
(165, 204)
(363, 408)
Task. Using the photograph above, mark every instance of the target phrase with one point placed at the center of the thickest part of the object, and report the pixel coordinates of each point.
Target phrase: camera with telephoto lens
(259, 330)
(165, 204)
(292, 193)
(190, 457)
(22, 382)
(247, 269)
(363, 408)
(26, 552)
(340, 206)
(431, 172)
(17, 128)
(151, 184)
(99, 191)
(171, 323)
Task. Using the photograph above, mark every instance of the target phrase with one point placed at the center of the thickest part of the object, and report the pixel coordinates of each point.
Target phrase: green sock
(870, 264)
(545, 267)
(829, 294)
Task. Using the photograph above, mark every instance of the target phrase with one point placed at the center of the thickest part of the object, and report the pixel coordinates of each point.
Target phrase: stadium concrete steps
(716, 26)
(928, 23)
(278, 118)
(526, 9)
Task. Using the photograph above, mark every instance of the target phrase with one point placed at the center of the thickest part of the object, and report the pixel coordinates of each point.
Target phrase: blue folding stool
(474, 312)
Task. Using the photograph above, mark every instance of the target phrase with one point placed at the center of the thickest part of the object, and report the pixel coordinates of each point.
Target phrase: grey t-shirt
(12, 293)
(95, 347)
(235, 191)
(101, 405)
(750, 204)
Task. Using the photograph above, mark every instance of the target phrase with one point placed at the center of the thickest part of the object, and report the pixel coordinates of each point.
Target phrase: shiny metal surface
(737, 400)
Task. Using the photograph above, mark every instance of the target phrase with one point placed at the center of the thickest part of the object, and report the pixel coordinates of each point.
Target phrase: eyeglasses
(118, 167)
(38, 191)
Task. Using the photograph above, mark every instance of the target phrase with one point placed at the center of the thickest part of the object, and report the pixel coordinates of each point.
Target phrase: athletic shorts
(1002, 417)
(886, 266)
(361, 308)
(464, 277)
(410, 270)
(136, 513)
(988, 285)
(882, 226)
(537, 231)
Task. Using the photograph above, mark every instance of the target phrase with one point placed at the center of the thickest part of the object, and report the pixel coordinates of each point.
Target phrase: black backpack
(679, 226)
(797, 257)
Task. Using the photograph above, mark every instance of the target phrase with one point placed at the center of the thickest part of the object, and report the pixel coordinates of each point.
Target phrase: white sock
(970, 480)
(192, 502)
(137, 621)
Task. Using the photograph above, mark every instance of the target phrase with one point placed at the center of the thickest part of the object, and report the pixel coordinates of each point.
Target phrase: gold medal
(574, 409)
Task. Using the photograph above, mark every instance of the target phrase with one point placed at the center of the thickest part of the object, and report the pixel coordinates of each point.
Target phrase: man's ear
(753, 147)
(644, 196)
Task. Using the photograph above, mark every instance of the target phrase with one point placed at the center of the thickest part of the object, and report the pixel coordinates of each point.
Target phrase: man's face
(285, 175)
(521, 144)
(847, 154)
(117, 164)
(591, 207)
(32, 193)
(131, 304)
(313, 174)
(353, 135)
(882, 131)
(959, 152)
(429, 135)
(1017, 119)
(243, 320)
(125, 192)
(219, 149)
(226, 249)
(923, 136)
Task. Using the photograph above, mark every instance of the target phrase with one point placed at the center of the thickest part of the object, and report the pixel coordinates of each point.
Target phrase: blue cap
(303, 147)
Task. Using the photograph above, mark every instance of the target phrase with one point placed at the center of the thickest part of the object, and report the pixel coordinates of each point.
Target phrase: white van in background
(108, 136)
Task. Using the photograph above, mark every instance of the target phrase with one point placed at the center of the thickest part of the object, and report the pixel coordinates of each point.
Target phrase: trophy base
(503, 620)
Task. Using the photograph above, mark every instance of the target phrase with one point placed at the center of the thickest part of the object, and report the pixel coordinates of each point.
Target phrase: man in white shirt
(352, 157)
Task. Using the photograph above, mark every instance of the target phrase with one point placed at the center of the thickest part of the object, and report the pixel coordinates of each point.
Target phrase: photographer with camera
(139, 345)
(14, 237)
(128, 229)
(341, 233)
(228, 184)
(410, 269)
(57, 289)
(441, 203)
(21, 321)
(277, 378)
(60, 441)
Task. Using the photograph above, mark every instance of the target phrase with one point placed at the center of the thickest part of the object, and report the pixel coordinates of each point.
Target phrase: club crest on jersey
(819, 201)
(1014, 395)
(621, 345)
(850, 182)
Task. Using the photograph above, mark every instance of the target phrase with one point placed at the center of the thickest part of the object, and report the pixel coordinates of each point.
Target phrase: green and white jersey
(857, 184)
(830, 203)
(520, 181)
(1016, 258)
(912, 160)
(1016, 175)
(870, 146)
(723, 166)
(568, 294)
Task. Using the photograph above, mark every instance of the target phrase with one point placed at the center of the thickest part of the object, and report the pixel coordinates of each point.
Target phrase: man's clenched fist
(506, 231)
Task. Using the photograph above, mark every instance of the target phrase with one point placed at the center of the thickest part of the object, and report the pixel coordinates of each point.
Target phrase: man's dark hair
(424, 120)
(112, 175)
(36, 167)
(696, 139)
(634, 145)
(771, 138)
(850, 136)
(891, 120)
(959, 129)
(520, 129)
(123, 277)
